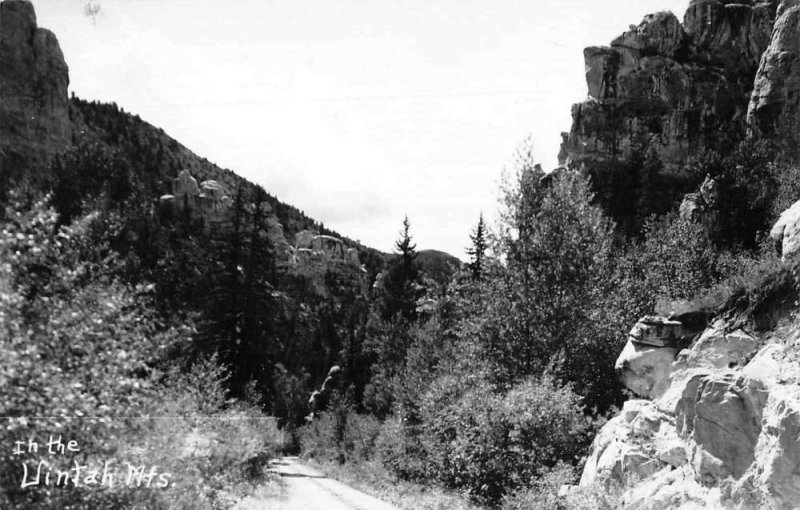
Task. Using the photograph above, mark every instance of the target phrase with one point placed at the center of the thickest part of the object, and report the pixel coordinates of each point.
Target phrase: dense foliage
(85, 357)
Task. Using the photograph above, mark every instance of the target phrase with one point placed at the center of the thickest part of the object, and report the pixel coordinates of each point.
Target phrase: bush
(400, 451)
(490, 443)
(543, 494)
(339, 433)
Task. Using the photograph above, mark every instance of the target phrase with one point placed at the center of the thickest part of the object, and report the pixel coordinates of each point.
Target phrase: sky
(358, 112)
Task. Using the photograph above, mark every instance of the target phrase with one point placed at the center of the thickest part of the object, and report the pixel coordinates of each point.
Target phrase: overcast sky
(358, 111)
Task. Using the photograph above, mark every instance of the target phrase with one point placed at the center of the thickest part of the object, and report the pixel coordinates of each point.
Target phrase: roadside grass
(268, 492)
(374, 479)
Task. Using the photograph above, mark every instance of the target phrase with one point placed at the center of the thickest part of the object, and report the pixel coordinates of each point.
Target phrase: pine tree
(239, 308)
(477, 251)
(400, 283)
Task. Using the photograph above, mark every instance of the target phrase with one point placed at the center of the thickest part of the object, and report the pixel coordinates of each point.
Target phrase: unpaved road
(305, 488)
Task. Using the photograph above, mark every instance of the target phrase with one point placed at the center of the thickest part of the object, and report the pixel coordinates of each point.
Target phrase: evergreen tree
(239, 308)
(477, 251)
(400, 283)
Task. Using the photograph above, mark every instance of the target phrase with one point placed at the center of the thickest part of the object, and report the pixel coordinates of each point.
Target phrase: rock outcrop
(786, 231)
(312, 256)
(775, 102)
(721, 431)
(34, 107)
(311, 248)
(695, 205)
(671, 88)
(206, 202)
(653, 343)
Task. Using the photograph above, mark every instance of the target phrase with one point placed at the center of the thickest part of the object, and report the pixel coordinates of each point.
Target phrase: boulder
(786, 231)
(185, 187)
(644, 369)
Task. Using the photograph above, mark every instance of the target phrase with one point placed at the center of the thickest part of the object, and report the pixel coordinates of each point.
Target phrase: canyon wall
(34, 107)
(674, 88)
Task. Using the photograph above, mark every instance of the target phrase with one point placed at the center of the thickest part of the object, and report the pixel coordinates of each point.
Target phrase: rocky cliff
(673, 88)
(775, 101)
(34, 107)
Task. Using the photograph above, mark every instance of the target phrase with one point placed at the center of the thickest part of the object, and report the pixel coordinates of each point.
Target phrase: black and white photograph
(399, 255)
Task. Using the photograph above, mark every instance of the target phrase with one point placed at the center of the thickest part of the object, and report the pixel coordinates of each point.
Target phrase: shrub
(543, 494)
(400, 450)
(361, 436)
(490, 443)
(339, 433)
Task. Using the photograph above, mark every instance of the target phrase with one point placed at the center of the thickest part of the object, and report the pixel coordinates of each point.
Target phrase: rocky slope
(34, 108)
(715, 418)
(673, 88)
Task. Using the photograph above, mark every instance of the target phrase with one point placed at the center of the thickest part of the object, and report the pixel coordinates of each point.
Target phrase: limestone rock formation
(311, 246)
(722, 433)
(323, 260)
(670, 87)
(206, 202)
(775, 102)
(696, 205)
(653, 343)
(34, 107)
(644, 369)
(623, 448)
(786, 231)
(319, 398)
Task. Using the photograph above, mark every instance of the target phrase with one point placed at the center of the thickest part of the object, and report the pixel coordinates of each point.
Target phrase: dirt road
(305, 488)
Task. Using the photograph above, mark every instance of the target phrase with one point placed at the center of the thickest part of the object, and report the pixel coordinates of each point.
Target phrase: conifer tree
(477, 251)
(401, 279)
